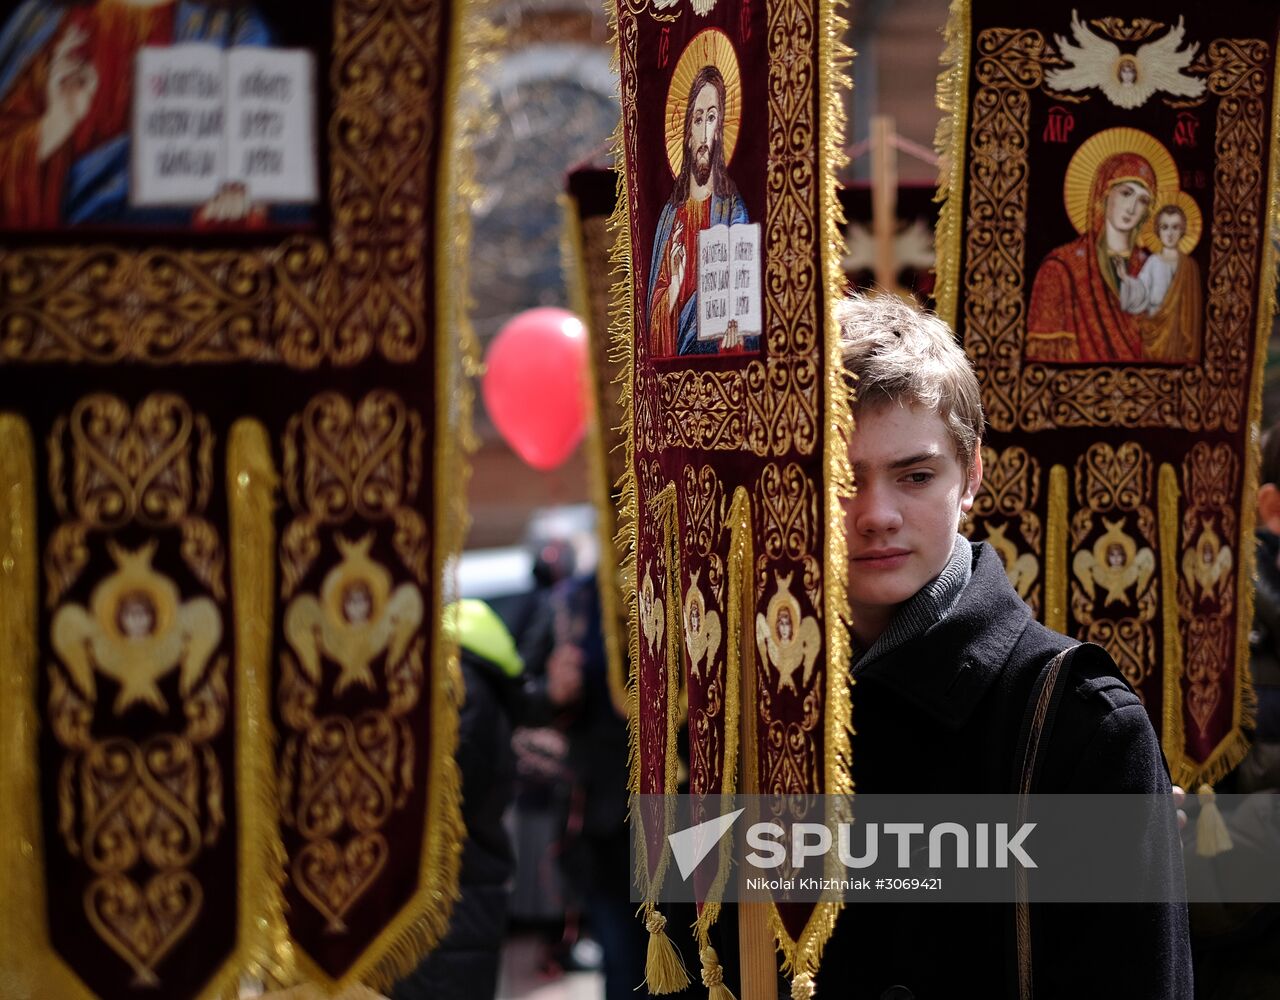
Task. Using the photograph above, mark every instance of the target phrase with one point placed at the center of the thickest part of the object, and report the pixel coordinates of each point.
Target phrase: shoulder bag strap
(1037, 727)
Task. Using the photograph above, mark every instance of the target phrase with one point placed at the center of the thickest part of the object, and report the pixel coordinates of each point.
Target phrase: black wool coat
(942, 714)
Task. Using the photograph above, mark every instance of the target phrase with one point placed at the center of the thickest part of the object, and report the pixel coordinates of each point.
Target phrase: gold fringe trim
(713, 975)
(22, 905)
(473, 42)
(1235, 745)
(309, 991)
(621, 322)
(573, 260)
(1244, 710)
(1172, 734)
(803, 956)
(1212, 836)
(949, 142)
(1055, 552)
(264, 951)
(664, 972)
(741, 560)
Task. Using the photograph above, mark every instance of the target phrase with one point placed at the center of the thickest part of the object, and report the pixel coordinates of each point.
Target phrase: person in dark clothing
(464, 965)
(595, 858)
(945, 658)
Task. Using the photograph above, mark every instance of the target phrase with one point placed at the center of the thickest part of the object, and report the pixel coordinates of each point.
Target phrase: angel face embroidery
(651, 614)
(1207, 563)
(1115, 564)
(1126, 80)
(1021, 570)
(702, 632)
(136, 630)
(785, 638)
(356, 618)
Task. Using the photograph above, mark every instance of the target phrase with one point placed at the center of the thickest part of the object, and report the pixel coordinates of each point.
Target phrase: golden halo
(783, 598)
(1078, 185)
(1195, 222)
(134, 575)
(355, 568)
(708, 47)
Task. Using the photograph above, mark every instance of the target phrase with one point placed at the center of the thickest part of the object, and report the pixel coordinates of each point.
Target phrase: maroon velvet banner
(1105, 255)
(737, 415)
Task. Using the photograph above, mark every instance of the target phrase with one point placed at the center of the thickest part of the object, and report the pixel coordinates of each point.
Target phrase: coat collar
(946, 671)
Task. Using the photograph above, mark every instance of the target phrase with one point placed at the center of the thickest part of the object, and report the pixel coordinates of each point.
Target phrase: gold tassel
(1212, 837)
(664, 972)
(713, 976)
(802, 986)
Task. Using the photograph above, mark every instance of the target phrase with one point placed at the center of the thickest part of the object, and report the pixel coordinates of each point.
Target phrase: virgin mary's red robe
(1075, 312)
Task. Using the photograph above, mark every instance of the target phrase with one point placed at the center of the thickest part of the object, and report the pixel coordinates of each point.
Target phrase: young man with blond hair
(947, 665)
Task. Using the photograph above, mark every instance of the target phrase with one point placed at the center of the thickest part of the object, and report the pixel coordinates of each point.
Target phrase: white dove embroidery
(1127, 81)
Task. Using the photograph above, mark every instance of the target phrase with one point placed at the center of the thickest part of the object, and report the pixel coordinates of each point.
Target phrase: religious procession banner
(230, 235)
(736, 419)
(590, 200)
(1106, 255)
(915, 219)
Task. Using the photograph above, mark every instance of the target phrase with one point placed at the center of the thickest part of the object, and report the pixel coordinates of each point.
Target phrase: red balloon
(534, 385)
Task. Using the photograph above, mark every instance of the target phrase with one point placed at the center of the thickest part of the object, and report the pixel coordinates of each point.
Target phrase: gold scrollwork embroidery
(1004, 506)
(788, 638)
(343, 776)
(704, 622)
(343, 461)
(132, 467)
(138, 812)
(1110, 566)
(789, 513)
(1207, 586)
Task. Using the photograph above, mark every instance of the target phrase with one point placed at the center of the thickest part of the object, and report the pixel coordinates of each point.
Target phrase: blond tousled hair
(901, 353)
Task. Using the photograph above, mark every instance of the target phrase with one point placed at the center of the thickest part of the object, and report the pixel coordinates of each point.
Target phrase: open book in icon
(729, 282)
(206, 117)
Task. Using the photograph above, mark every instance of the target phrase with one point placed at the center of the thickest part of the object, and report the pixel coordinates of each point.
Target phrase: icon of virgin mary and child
(1126, 289)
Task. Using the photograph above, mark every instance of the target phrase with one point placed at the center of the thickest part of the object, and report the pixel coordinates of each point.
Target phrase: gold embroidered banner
(231, 478)
(1105, 254)
(590, 201)
(736, 412)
